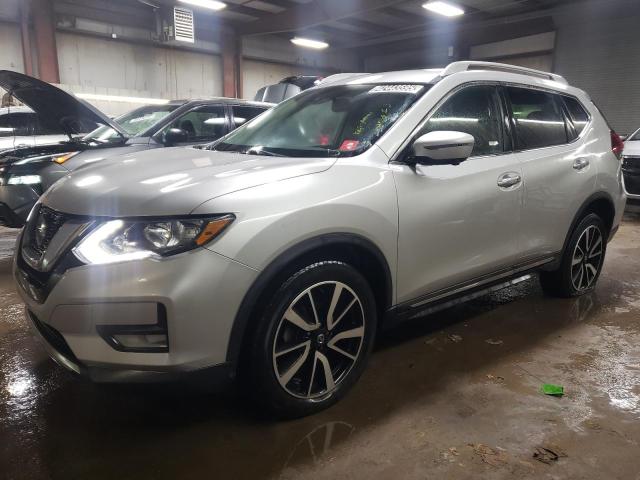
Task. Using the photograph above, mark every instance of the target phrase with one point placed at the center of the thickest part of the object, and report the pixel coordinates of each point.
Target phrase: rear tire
(581, 262)
(313, 340)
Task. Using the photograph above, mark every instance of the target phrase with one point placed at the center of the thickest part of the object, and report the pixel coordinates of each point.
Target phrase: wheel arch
(599, 203)
(353, 249)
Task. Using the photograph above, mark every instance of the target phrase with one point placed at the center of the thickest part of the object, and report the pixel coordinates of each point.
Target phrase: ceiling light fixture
(210, 4)
(444, 8)
(307, 42)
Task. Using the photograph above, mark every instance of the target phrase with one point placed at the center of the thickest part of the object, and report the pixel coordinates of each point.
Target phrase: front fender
(272, 218)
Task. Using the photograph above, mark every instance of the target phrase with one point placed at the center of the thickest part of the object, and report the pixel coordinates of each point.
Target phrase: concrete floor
(455, 395)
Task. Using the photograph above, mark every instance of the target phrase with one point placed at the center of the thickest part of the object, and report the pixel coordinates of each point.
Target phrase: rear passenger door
(559, 173)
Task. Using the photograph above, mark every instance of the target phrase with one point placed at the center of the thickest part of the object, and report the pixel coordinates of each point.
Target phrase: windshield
(336, 121)
(132, 123)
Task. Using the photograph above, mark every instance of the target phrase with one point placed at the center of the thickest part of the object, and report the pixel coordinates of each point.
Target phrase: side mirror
(175, 135)
(442, 148)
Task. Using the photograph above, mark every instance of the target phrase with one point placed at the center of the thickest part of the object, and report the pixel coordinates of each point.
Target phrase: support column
(45, 38)
(25, 35)
(231, 64)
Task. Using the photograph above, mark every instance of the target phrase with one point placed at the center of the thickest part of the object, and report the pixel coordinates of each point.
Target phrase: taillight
(617, 145)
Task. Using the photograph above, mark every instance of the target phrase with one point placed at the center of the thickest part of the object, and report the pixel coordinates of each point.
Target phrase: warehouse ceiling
(371, 24)
(355, 23)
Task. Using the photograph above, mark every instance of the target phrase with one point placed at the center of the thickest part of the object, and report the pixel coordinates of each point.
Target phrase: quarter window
(538, 118)
(474, 110)
(579, 116)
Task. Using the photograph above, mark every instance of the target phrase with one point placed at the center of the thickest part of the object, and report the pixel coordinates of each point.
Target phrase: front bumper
(199, 291)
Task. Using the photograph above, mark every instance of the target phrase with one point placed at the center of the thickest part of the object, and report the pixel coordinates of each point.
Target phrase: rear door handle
(509, 179)
(580, 163)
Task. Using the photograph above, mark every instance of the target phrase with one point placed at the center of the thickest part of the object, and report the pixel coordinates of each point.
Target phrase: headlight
(123, 240)
(24, 180)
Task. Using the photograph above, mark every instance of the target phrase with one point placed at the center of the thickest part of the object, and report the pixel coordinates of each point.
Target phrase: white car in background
(631, 167)
(21, 127)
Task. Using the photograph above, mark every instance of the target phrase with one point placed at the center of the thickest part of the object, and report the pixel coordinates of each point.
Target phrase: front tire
(582, 261)
(313, 340)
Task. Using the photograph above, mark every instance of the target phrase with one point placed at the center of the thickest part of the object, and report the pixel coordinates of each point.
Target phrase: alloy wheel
(318, 340)
(587, 258)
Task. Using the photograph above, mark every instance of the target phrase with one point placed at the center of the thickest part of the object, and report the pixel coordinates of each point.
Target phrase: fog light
(152, 341)
(149, 338)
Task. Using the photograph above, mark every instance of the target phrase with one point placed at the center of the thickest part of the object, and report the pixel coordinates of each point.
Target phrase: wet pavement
(453, 395)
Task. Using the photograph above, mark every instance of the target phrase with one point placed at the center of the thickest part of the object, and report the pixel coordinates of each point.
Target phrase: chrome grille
(38, 233)
(43, 227)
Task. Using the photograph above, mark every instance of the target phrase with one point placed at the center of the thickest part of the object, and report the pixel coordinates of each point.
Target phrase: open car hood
(57, 109)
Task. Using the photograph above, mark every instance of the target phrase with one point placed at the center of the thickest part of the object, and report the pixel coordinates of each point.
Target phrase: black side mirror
(175, 135)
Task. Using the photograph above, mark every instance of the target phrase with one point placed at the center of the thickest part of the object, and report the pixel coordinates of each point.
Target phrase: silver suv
(279, 251)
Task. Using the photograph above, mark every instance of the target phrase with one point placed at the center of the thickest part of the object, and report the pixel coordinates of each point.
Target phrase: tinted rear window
(538, 118)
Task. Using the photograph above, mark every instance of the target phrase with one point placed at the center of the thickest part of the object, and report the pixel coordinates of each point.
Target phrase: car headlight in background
(24, 180)
(124, 240)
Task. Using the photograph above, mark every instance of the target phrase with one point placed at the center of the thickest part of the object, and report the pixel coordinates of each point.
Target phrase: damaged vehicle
(27, 172)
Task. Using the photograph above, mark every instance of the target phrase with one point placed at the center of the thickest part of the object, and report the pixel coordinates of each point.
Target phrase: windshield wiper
(261, 151)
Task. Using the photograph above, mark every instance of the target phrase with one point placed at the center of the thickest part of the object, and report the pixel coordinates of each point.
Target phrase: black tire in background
(313, 340)
(581, 262)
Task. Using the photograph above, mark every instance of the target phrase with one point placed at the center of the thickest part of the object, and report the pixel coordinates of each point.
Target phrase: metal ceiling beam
(311, 14)
(370, 27)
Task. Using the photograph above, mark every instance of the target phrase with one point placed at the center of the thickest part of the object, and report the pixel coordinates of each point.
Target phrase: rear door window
(538, 118)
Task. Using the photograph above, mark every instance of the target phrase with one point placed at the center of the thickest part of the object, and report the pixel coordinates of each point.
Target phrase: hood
(169, 181)
(57, 109)
(632, 148)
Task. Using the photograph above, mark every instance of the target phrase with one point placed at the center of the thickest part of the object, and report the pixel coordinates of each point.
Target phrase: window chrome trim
(549, 90)
(394, 158)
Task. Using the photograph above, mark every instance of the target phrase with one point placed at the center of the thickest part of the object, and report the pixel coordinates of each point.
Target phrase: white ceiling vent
(183, 25)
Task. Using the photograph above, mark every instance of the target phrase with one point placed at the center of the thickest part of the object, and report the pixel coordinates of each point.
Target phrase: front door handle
(580, 163)
(509, 179)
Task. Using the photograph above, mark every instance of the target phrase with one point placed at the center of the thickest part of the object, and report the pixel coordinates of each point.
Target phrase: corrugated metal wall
(95, 65)
(10, 48)
(598, 50)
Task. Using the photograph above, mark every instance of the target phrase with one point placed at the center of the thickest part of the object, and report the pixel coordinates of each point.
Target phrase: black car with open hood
(57, 109)
(25, 173)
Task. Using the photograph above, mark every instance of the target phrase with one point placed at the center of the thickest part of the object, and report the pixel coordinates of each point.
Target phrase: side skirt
(463, 292)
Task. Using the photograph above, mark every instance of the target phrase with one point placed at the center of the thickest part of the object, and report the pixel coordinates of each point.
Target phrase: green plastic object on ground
(555, 390)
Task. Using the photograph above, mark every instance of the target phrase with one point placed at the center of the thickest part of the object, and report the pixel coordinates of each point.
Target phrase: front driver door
(458, 223)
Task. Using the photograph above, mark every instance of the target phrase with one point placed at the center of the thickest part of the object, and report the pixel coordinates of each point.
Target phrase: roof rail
(457, 67)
